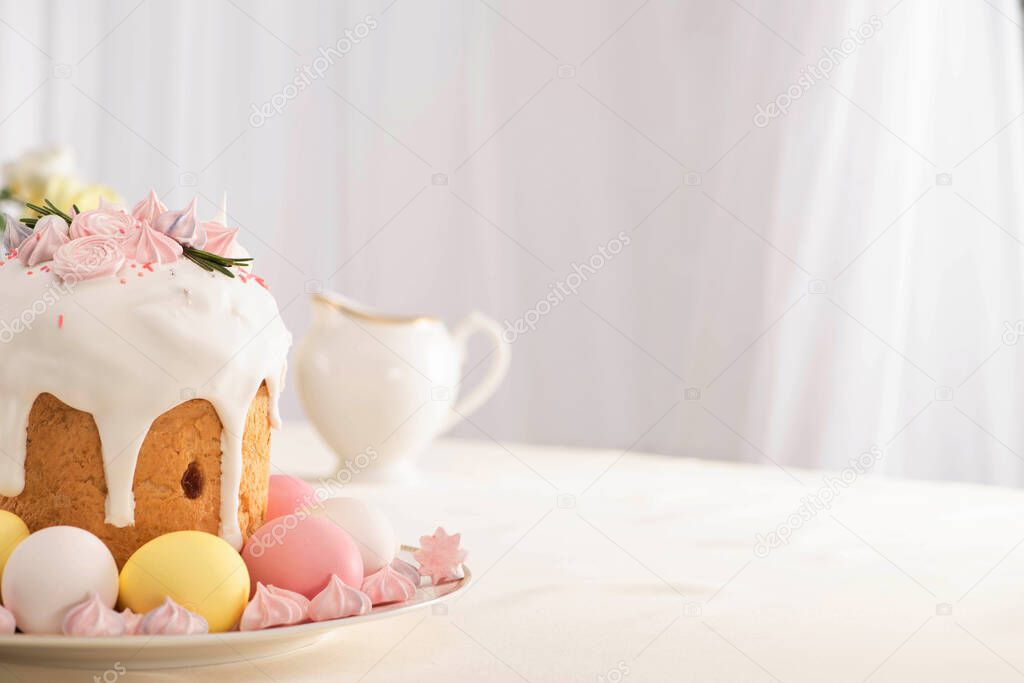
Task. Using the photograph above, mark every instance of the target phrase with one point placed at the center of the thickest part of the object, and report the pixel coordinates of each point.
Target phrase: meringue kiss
(273, 607)
(388, 585)
(49, 235)
(182, 226)
(337, 601)
(149, 209)
(171, 619)
(93, 618)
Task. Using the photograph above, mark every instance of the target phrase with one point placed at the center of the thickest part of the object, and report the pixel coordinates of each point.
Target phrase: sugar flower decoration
(440, 556)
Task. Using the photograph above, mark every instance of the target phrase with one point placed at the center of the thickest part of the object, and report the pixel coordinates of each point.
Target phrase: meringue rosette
(388, 585)
(89, 257)
(93, 618)
(109, 220)
(171, 619)
(338, 600)
(440, 556)
(49, 235)
(272, 607)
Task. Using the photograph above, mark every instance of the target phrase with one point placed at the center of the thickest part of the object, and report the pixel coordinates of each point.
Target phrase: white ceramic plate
(166, 652)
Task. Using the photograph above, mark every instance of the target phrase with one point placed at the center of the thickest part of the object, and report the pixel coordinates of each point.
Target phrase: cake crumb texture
(177, 478)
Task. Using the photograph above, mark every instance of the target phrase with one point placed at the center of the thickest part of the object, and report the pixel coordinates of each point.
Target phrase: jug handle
(477, 322)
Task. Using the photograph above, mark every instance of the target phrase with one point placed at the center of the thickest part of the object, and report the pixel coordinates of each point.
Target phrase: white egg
(367, 526)
(51, 571)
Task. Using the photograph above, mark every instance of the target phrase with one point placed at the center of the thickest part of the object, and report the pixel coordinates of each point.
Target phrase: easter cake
(140, 368)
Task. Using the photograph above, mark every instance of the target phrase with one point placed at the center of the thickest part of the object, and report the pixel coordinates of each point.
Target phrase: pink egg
(288, 495)
(300, 554)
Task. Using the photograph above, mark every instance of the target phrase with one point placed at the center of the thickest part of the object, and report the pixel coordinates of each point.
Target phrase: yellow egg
(199, 571)
(12, 532)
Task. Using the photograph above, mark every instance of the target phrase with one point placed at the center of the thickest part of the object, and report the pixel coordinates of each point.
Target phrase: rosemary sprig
(213, 262)
(49, 210)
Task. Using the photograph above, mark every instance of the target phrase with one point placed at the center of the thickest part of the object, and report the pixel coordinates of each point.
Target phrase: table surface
(594, 565)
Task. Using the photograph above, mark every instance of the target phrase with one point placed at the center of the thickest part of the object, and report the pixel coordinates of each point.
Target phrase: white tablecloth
(598, 566)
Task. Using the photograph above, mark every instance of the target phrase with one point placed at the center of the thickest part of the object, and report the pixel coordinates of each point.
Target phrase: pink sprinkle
(262, 283)
(37, 236)
(242, 276)
(147, 266)
(14, 252)
(45, 269)
(28, 273)
(123, 281)
(121, 230)
(133, 265)
(60, 321)
(139, 273)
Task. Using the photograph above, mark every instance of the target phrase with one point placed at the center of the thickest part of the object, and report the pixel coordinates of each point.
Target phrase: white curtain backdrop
(797, 292)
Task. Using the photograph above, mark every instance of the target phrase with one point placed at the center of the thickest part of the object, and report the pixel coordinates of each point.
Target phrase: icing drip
(127, 353)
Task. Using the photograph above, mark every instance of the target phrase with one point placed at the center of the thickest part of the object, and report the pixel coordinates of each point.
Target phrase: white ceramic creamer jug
(379, 388)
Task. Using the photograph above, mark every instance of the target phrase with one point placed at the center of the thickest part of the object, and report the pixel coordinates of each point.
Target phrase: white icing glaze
(127, 349)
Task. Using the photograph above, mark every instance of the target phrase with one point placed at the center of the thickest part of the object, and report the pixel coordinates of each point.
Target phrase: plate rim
(72, 644)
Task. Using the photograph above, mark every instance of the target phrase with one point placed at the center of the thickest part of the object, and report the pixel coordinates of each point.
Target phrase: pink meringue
(131, 622)
(149, 209)
(93, 618)
(388, 585)
(406, 569)
(337, 601)
(273, 607)
(109, 219)
(219, 238)
(171, 619)
(147, 245)
(88, 257)
(49, 235)
(7, 625)
(440, 556)
(182, 226)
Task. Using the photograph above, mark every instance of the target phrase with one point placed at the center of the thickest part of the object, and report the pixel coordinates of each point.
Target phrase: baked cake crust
(177, 478)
